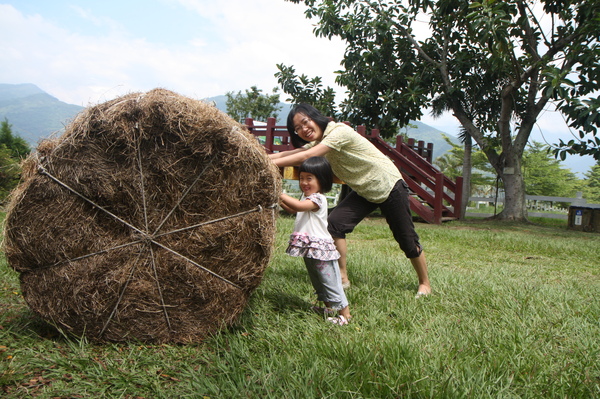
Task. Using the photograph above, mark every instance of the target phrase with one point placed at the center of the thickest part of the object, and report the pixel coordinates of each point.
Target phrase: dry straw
(151, 218)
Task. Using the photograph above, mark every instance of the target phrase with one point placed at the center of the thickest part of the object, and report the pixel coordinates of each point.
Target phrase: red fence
(435, 197)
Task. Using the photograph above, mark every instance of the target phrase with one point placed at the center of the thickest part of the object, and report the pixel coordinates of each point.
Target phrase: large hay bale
(151, 218)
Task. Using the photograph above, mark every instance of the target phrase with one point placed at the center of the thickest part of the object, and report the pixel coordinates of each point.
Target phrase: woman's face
(306, 128)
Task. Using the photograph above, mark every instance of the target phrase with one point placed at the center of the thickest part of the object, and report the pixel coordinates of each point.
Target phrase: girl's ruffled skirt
(312, 247)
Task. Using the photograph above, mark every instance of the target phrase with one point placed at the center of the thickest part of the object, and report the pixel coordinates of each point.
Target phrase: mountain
(422, 132)
(33, 113)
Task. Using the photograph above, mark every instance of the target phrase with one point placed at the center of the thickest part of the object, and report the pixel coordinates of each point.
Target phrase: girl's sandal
(339, 320)
(323, 311)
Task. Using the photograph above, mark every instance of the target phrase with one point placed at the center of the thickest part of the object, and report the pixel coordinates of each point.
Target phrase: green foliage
(492, 64)
(252, 104)
(404, 134)
(583, 115)
(301, 89)
(18, 147)
(591, 187)
(10, 172)
(517, 319)
(451, 164)
(544, 174)
(12, 151)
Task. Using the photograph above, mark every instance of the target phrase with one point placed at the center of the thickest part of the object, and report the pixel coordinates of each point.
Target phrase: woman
(374, 179)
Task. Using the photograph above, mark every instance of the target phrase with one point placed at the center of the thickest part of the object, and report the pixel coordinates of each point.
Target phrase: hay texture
(151, 218)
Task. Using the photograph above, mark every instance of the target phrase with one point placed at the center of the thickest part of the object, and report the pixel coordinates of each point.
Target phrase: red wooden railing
(434, 198)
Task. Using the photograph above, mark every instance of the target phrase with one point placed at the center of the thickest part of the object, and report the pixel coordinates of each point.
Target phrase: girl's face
(306, 128)
(309, 184)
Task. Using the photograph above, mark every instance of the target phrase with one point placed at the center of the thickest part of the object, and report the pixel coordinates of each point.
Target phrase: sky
(86, 52)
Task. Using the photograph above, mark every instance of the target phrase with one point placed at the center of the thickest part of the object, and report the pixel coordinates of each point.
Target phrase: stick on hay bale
(151, 218)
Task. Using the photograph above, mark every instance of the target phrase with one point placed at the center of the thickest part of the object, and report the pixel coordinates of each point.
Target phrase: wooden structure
(435, 198)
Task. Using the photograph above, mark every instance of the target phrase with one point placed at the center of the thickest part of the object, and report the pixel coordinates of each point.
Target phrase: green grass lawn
(515, 313)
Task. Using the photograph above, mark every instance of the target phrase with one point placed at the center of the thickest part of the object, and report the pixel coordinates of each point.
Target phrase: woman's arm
(299, 155)
(297, 205)
(283, 154)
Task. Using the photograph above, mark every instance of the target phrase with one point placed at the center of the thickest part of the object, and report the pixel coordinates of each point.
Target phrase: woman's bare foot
(423, 290)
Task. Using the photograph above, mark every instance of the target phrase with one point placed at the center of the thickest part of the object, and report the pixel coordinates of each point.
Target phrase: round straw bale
(151, 218)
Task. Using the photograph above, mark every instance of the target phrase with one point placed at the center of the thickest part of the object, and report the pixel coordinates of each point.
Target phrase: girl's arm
(295, 205)
(286, 208)
(299, 155)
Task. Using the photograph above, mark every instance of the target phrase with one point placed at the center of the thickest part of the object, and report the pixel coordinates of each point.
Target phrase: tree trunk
(466, 174)
(514, 189)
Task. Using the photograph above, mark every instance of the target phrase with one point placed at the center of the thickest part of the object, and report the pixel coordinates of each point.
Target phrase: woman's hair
(320, 167)
(312, 113)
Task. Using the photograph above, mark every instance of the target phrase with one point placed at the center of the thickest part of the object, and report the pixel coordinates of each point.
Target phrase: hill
(33, 113)
(429, 134)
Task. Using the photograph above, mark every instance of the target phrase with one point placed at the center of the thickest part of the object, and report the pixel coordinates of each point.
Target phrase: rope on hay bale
(151, 218)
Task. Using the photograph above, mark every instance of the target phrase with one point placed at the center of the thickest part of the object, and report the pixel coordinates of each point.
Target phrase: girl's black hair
(320, 167)
(312, 113)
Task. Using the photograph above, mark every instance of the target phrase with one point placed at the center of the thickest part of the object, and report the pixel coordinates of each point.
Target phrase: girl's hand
(297, 205)
(285, 207)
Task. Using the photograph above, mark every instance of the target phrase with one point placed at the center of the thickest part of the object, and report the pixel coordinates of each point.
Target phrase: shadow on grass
(268, 302)
(284, 302)
(293, 275)
(26, 323)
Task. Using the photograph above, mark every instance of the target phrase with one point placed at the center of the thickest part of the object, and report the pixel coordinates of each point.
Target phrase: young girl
(311, 240)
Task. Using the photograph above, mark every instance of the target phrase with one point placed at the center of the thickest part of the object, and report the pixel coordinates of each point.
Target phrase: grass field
(515, 313)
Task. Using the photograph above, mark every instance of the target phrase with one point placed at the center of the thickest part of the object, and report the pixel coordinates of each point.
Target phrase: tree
(591, 189)
(16, 144)
(302, 89)
(452, 165)
(13, 149)
(252, 104)
(10, 172)
(544, 175)
(492, 64)
(584, 116)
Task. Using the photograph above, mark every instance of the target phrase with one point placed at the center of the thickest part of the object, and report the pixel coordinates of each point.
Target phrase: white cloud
(88, 15)
(241, 44)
